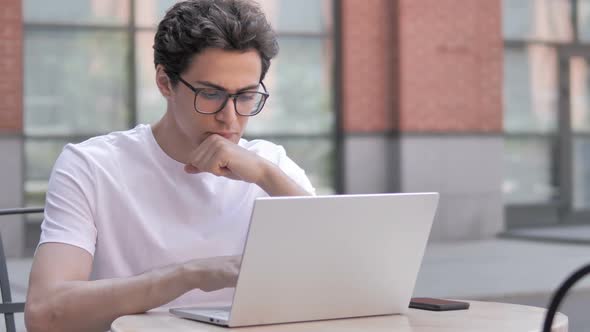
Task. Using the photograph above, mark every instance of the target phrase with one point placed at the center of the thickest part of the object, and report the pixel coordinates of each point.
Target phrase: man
(137, 219)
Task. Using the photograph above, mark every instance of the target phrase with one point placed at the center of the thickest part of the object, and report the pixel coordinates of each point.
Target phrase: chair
(561, 293)
(7, 307)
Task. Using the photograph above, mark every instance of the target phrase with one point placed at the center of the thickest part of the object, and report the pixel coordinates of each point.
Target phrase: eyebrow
(219, 87)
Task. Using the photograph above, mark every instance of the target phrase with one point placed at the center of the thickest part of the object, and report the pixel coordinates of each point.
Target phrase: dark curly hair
(191, 26)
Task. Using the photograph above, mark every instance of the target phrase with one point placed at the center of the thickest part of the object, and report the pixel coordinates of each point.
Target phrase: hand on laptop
(215, 273)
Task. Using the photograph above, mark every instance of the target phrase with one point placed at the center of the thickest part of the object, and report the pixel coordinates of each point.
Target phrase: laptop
(327, 257)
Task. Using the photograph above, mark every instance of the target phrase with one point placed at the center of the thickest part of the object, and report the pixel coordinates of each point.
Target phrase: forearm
(93, 305)
(276, 183)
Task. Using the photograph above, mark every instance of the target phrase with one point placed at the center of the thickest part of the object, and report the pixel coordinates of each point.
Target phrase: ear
(163, 82)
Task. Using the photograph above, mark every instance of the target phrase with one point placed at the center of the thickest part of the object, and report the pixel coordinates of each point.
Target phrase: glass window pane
(530, 170)
(40, 156)
(299, 83)
(150, 12)
(151, 104)
(537, 19)
(102, 12)
(580, 121)
(308, 16)
(579, 94)
(530, 89)
(315, 156)
(305, 16)
(584, 20)
(75, 82)
(581, 172)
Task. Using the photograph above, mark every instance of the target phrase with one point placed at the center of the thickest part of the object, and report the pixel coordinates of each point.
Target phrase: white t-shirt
(125, 201)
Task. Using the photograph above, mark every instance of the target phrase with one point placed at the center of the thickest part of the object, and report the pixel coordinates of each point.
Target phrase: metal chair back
(7, 307)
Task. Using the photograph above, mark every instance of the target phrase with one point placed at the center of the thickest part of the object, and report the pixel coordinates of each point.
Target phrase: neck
(170, 139)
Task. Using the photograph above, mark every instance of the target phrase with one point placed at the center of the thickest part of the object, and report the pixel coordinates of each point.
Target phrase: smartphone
(427, 303)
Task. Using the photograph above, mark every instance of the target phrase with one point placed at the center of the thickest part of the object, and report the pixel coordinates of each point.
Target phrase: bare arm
(221, 157)
(60, 297)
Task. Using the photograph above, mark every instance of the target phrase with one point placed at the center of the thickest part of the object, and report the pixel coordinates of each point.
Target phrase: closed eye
(247, 96)
(213, 94)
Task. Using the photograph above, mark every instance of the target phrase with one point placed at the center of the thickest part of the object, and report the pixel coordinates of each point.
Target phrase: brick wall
(450, 65)
(11, 67)
(368, 65)
(422, 66)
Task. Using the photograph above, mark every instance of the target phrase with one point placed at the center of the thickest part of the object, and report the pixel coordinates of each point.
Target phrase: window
(89, 71)
(543, 20)
(546, 118)
(530, 123)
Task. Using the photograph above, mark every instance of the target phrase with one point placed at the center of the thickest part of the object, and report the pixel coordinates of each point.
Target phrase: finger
(197, 157)
(232, 276)
(210, 158)
(237, 263)
(198, 153)
(237, 258)
(222, 157)
(215, 160)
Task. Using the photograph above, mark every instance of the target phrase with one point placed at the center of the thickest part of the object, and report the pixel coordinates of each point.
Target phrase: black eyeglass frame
(229, 96)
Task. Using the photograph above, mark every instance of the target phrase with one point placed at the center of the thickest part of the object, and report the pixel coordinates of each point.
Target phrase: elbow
(38, 318)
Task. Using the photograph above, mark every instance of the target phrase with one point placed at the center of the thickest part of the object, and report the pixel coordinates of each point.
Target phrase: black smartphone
(427, 303)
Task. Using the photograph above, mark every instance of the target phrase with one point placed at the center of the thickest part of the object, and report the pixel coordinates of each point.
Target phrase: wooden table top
(481, 316)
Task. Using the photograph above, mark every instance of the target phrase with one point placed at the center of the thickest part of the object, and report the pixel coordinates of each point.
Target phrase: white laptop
(327, 257)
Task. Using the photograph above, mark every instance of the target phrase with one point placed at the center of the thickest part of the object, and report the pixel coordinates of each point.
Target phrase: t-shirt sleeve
(69, 202)
(295, 172)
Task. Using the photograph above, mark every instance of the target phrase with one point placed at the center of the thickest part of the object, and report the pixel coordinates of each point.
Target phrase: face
(232, 71)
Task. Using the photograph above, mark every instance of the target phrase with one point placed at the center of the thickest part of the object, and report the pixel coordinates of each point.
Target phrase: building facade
(392, 96)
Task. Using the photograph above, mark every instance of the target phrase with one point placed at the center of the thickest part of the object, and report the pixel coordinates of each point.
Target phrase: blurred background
(484, 101)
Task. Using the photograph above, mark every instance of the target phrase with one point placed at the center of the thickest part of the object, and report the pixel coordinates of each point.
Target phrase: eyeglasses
(211, 101)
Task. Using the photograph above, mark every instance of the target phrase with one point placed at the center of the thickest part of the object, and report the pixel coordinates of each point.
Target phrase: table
(481, 316)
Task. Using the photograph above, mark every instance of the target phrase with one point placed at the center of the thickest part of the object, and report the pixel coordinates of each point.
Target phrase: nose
(228, 113)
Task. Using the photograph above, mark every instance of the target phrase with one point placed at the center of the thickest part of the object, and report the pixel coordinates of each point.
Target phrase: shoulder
(106, 152)
(277, 155)
(107, 147)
